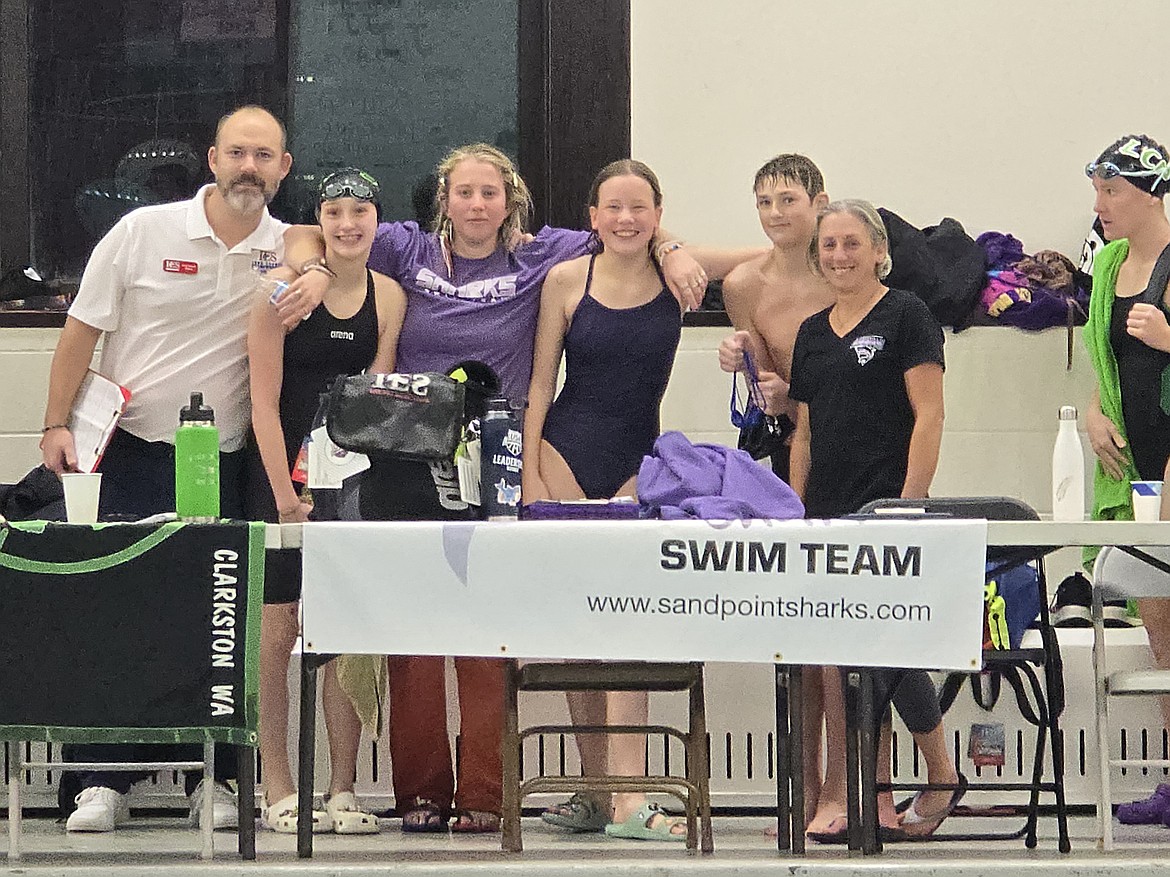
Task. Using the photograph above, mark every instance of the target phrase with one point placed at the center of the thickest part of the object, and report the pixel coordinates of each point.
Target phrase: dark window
(106, 105)
(123, 100)
(391, 87)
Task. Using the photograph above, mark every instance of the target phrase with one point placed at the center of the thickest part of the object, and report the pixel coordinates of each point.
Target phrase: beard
(242, 197)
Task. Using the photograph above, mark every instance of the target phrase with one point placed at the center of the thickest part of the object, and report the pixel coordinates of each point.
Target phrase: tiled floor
(165, 846)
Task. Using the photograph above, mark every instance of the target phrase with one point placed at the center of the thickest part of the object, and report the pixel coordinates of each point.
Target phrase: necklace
(843, 320)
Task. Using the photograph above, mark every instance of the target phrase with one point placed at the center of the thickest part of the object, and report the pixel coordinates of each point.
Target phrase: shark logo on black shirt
(866, 346)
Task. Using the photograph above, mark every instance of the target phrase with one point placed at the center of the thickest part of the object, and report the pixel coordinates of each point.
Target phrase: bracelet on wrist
(667, 247)
(53, 426)
(315, 264)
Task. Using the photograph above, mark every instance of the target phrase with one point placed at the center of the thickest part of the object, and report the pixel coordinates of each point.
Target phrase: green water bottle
(197, 463)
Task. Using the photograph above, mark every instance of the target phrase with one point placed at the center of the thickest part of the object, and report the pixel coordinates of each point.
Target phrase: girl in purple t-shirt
(472, 287)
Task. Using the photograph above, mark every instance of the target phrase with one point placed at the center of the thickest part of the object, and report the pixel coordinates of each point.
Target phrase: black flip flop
(829, 837)
(956, 796)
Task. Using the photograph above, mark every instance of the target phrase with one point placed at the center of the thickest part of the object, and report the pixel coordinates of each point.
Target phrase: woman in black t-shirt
(867, 374)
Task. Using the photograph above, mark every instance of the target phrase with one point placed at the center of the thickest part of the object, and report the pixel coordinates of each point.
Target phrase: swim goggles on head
(354, 184)
(754, 402)
(1107, 170)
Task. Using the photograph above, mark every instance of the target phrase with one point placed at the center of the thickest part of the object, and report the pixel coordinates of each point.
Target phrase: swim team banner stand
(132, 633)
(862, 593)
(859, 593)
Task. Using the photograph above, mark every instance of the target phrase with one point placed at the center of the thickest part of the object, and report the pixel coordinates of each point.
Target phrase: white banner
(892, 593)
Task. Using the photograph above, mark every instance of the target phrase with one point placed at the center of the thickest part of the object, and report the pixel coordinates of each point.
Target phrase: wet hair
(794, 167)
(517, 198)
(252, 108)
(623, 167)
(868, 216)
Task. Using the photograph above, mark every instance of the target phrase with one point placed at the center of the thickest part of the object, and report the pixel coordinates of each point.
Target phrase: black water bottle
(500, 463)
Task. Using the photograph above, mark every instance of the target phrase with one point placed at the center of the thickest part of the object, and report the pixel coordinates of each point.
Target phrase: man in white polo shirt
(169, 289)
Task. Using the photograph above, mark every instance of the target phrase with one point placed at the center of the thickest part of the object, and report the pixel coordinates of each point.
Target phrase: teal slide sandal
(639, 825)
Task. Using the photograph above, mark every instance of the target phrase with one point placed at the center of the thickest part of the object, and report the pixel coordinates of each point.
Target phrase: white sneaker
(98, 809)
(225, 807)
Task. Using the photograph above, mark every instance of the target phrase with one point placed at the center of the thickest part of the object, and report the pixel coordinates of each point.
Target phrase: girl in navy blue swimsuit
(618, 327)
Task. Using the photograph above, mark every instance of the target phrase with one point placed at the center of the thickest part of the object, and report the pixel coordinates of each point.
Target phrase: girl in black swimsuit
(354, 328)
(1128, 337)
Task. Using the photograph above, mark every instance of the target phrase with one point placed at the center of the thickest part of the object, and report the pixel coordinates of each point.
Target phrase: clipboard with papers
(97, 408)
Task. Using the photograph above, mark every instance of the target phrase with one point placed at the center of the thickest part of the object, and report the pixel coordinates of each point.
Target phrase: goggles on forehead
(1107, 170)
(361, 186)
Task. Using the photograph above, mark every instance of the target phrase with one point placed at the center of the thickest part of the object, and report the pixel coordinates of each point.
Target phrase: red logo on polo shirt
(178, 266)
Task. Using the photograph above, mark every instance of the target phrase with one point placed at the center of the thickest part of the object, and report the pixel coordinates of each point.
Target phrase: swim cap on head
(1137, 157)
(349, 182)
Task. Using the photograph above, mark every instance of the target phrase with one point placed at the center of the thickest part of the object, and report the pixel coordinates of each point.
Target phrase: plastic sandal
(282, 816)
(579, 814)
(475, 822)
(638, 827)
(347, 817)
(424, 816)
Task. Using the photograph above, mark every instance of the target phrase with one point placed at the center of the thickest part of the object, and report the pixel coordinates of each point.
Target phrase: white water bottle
(1068, 470)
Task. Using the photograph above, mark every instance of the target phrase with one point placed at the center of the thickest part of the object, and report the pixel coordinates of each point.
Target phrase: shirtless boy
(767, 298)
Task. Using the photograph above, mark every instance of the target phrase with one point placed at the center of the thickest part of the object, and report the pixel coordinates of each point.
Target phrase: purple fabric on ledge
(712, 482)
(554, 510)
(1003, 250)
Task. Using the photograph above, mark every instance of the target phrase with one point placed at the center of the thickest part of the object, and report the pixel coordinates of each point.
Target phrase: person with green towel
(1128, 339)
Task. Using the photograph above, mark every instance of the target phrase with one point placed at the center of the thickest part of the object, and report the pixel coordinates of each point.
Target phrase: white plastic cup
(1147, 500)
(82, 492)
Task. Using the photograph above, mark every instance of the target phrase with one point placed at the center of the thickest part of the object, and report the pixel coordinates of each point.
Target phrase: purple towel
(1003, 250)
(712, 482)
(555, 510)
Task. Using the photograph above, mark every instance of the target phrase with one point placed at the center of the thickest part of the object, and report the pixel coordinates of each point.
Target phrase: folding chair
(1040, 702)
(693, 789)
(1117, 573)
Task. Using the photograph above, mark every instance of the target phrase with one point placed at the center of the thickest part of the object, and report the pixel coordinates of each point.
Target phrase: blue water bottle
(500, 463)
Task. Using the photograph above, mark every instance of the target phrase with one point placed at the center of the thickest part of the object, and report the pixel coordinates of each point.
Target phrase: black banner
(130, 632)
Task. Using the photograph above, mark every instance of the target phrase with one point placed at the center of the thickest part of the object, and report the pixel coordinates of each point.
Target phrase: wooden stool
(693, 789)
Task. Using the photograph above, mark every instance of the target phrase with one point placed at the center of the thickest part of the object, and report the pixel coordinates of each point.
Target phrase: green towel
(1112, 500)
(363, 679)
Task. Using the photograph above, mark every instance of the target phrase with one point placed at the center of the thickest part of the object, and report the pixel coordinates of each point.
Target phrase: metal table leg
(796, 749)
(870, 842)
(15, 779)
(784, 761)
(246, 786)
(306, 748)
(207, 815)
(852, 682)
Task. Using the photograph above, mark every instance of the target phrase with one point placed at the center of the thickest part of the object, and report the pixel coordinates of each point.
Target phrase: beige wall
(24, 384)
(1003, 387)
(984, 110)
